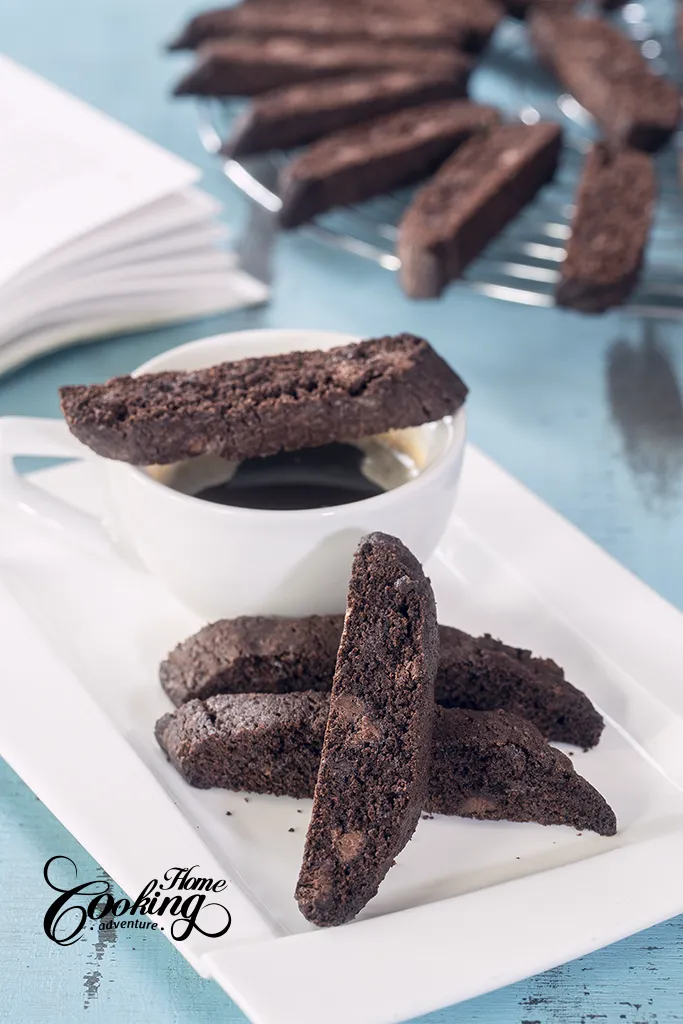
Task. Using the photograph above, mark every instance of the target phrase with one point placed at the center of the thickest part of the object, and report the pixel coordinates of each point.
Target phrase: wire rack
(522, 264)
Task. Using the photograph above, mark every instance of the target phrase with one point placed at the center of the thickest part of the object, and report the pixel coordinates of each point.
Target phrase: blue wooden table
(588, 413)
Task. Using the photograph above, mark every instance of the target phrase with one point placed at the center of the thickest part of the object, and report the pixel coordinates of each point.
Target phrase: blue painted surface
(587, 413)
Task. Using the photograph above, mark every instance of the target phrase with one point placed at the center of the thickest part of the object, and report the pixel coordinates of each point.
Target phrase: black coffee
(334, 474)
(310, 478)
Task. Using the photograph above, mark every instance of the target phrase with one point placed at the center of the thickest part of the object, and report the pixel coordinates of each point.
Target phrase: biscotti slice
(496, 766)
(244, 66)
(377, 156)
(375, 761)
(614, 208)
(473, 196)
(254, 653)
(609, 76)
(260, 406)
(323, 23)
(255, 742)
(485, 764)
(483, 674)
(455, 22)
(293, 116)
(273, 655)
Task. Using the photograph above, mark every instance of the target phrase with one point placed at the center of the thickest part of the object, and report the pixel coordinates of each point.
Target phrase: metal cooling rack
(521, 264)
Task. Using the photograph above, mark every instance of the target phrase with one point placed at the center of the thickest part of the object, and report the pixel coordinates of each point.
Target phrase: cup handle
(29, 435)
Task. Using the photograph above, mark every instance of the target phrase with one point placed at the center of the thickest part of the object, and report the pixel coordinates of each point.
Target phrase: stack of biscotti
(366, 84)
(254, 714)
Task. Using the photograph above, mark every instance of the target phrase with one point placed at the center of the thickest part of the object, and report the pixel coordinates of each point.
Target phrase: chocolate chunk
(271, 655)
(327, 23)
(614, 208)
(474, 195)
(377, 156)
(299, 114)
(259, 406)
(243, 66)
(608, 75)
(375, 760)
(485, 764)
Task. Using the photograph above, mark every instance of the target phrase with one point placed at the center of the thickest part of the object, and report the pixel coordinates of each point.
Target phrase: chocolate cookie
(244, 66)
(272, 655)
(375, 760)
(376, 157)
(259, 406)
(298, 114)
(458, 22)
(609, 76)
(326, 23)
(473, 196)
(485, 764)
(614, 208)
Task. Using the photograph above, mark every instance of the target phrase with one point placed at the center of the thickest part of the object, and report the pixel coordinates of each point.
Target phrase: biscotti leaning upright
(376, 756)
(264, 405)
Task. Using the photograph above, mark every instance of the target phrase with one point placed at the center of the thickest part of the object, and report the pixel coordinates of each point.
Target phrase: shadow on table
(646, 404)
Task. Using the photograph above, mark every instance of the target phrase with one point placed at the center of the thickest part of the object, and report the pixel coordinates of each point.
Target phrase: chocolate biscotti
(613, 214)
(375, 157)
(459, 23)
(293, 116)
(608, 75)
(485, 764)
(376, 754)
(496, 766)
(321, 23)
(260, 406)
(274, 655)
(244, 66)
(473, 196)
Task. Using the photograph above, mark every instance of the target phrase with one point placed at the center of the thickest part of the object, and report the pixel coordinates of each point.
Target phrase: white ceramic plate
(470, 906)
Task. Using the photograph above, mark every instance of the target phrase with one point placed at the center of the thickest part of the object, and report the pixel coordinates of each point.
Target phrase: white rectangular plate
(469, 906)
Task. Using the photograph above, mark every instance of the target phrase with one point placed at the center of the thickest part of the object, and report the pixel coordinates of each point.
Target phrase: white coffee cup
(225, 561)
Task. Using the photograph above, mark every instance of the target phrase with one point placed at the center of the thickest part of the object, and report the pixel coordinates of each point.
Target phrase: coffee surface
(333, 474)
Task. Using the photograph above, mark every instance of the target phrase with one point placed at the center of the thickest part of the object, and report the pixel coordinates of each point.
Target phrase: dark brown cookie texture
(260, 406)
(322, 23)
(484, 674)
(469, 201)
(485, 764)
(615, 204)
(374, 765)
(246, 66)
(609, 76)
(297, 114)
(254, 654)
(254, 742)
(459, 23)
(271, 655)
(376, 157)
